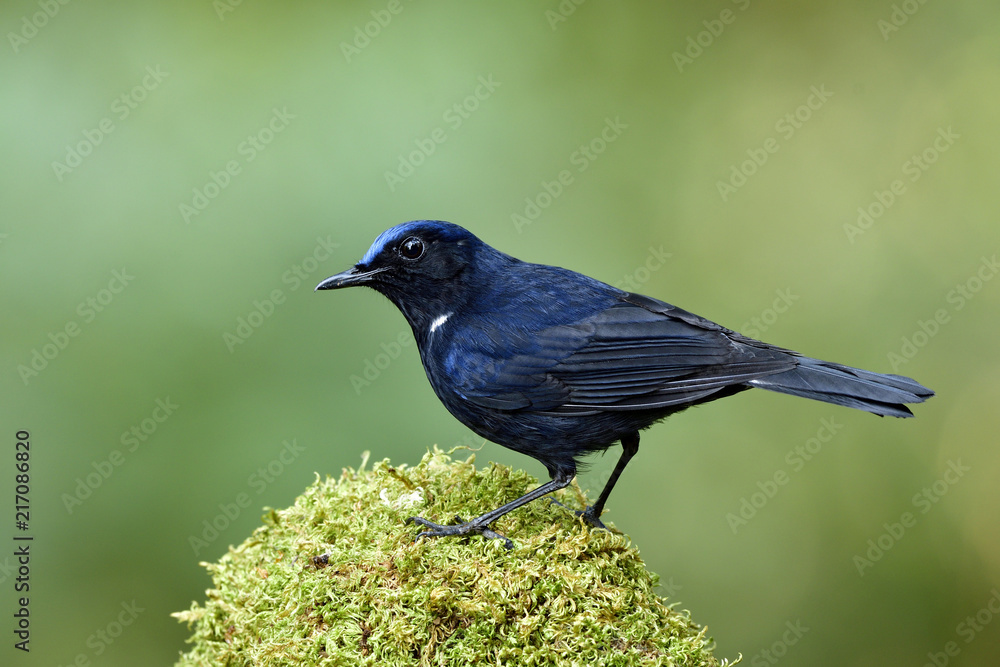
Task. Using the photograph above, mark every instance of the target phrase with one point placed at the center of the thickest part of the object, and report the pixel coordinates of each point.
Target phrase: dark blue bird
(556, 365)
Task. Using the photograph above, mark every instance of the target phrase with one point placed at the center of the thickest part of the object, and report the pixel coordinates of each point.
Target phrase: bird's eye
(411, 248)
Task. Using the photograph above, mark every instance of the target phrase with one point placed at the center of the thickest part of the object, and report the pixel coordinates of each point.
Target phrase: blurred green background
(168, 170)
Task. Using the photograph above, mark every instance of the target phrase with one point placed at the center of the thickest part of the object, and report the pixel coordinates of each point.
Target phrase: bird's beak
(349, 278)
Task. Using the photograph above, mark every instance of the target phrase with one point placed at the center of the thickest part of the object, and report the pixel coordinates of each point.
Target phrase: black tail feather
(878, 393)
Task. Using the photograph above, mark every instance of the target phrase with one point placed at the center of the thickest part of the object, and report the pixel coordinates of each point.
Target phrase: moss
(337, 579)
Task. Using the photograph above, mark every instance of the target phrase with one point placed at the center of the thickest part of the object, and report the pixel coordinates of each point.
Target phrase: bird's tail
(878, 393)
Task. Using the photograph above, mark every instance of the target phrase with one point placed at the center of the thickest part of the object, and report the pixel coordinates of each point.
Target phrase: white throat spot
(438, 321)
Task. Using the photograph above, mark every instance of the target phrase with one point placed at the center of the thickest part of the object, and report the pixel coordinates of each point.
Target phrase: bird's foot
(588, 514)
(461, 528)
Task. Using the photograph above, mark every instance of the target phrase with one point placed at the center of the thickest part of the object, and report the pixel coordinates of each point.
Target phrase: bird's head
(422, 266)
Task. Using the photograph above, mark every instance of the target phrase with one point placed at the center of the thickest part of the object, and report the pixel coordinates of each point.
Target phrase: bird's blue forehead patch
(385, 238)
(428, 229)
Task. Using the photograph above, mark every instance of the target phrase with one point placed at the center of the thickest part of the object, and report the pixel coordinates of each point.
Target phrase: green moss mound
(337, 579)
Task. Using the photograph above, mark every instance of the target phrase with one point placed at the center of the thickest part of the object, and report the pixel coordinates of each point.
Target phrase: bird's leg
(481, 523)
(592, 514)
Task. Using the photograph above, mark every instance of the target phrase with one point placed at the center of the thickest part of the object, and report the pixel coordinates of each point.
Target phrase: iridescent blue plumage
(556, 365)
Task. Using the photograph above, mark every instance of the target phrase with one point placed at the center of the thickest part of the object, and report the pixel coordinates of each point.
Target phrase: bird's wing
(638, 354)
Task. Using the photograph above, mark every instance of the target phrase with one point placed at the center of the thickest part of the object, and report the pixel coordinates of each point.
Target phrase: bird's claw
(461, 528)
(586, 514)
